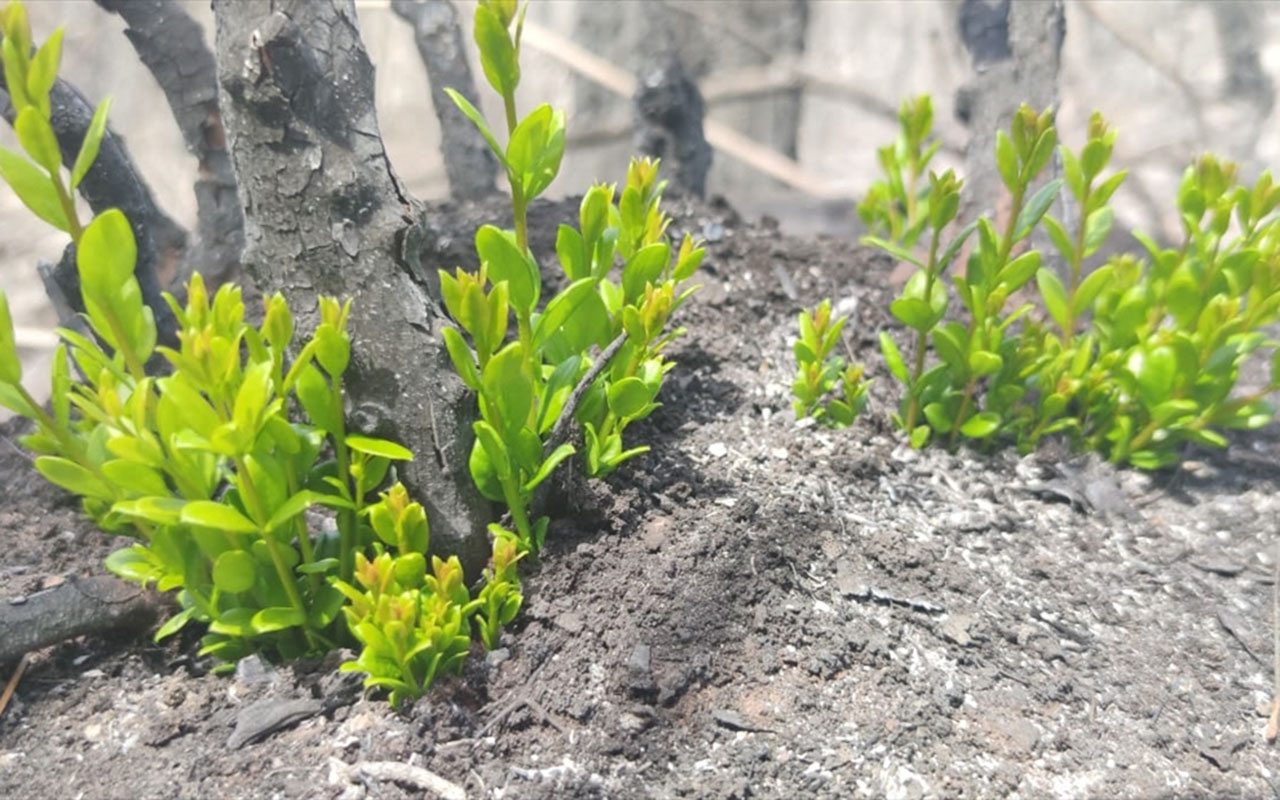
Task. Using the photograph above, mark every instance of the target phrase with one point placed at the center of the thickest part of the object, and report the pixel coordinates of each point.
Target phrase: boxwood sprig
(1134, 357)
(526, 383)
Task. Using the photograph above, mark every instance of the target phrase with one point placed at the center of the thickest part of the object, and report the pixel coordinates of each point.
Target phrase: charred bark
(670, 111)
(172, 46)
(77, 607)
(469, 165)
(325, 214)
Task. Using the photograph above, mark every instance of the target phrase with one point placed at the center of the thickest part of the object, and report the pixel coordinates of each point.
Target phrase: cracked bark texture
(470, 167)
(172, 46)
(326, 214)
(112, 182)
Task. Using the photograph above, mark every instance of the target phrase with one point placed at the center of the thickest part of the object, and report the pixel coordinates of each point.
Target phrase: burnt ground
(754, 609)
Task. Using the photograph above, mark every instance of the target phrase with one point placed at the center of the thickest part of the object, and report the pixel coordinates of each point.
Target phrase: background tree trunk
(172, 46)
(471, 168)
(325, 214)
(1017, 51)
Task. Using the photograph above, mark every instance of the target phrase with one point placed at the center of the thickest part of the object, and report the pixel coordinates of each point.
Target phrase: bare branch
(470, 166)
(172, 46)
(792, 74)
(728, 141)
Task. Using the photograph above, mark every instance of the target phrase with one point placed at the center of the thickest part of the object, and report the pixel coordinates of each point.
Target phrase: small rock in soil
(570, 621)
(494, 658)
(955, 628)
(268, 716)
(640, 668)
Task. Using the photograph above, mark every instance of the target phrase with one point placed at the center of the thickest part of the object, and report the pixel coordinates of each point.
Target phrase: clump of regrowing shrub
(592, 356)
(214, 466)
(1132, 357)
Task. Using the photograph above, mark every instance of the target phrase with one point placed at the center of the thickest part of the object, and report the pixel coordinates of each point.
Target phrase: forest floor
(754, 609)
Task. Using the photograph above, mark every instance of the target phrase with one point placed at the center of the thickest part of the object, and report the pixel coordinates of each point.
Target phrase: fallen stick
(73, 608)
(1273, 722)
(12, 685)
(397, 772)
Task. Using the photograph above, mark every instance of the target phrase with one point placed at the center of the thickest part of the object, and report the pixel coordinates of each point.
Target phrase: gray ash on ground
(753, 609)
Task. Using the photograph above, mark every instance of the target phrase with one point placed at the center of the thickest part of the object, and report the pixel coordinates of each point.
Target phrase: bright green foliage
(897, 207)
(824, 388)
(524, 383)
(413, 625)
(1133, 358)
(204, 467)
(207, 469)
(499, 600)
(37, 178)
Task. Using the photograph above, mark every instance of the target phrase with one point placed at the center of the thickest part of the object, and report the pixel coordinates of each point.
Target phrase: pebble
(495, 658)
(640, 665)
(571, 621)
(718, 450)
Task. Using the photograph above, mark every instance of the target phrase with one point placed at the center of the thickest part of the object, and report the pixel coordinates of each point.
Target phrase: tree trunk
(325, 214)
(1017, 51)
(172, 46)
(471, 168)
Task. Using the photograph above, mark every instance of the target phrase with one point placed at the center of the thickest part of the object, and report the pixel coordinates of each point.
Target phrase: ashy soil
(755, 609)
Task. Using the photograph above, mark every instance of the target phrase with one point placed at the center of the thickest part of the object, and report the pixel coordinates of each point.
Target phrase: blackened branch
(172, 46)
(470, 166)
(670, 112)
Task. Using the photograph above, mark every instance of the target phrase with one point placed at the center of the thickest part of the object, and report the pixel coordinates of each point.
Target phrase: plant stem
(117, 333)
(69, 209)
(346, 517)
(1069, 331)
(254, 501)
(300, 531)
(518, 203)
(519, 516)
(1002, 257)
(922, 339)
(965, 402)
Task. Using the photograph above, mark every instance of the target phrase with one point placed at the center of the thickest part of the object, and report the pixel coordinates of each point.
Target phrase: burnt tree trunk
(172, 46)
(1017, 53)
(325, 214)
(1016, 50)
(471, 168)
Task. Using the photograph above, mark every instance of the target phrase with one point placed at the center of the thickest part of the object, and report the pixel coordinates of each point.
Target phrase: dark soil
(754, 609)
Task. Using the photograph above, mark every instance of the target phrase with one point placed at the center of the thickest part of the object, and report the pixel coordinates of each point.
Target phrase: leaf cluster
(212, 470)
(896, 207)
(525, 383)
(37, 177)
(825, 388)
(415, 625)
(1132, 358)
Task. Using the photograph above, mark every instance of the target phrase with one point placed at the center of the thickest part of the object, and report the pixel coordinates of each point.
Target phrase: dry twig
(12, 685)
(397, 772)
